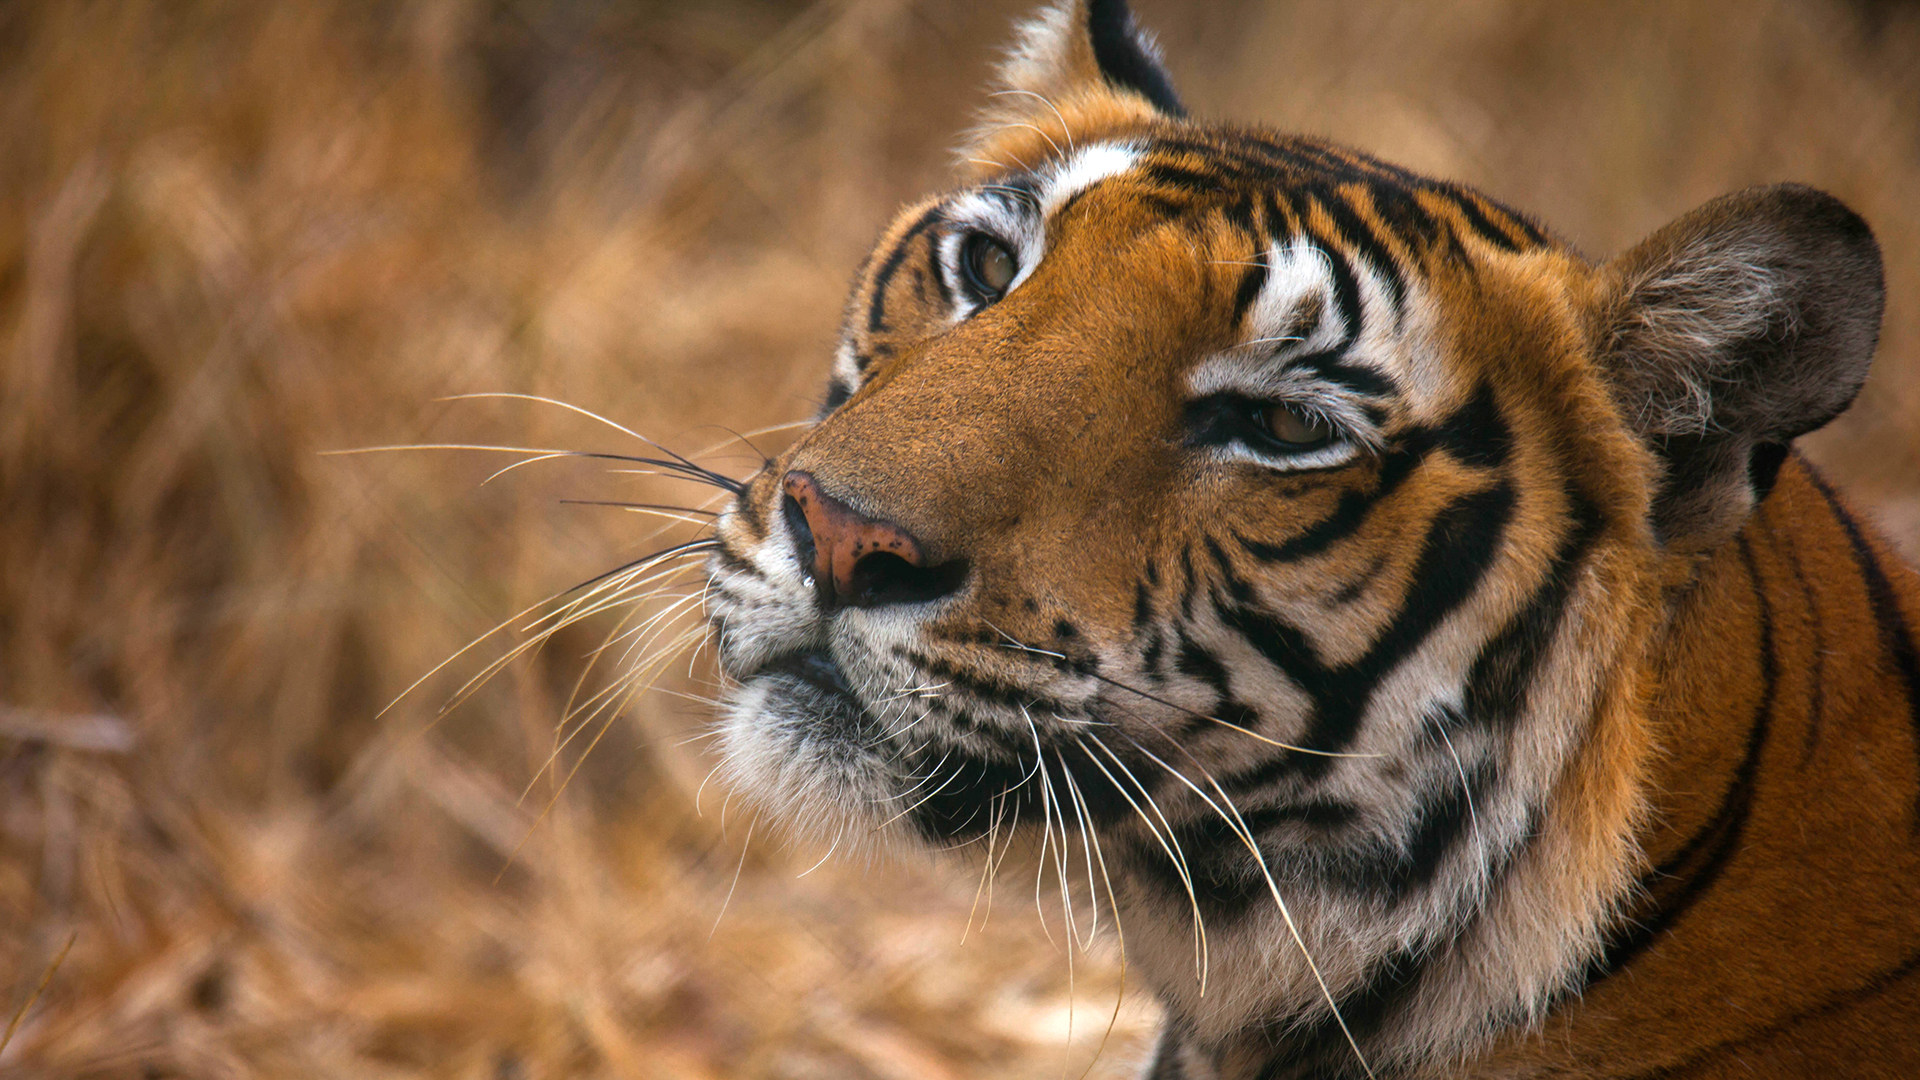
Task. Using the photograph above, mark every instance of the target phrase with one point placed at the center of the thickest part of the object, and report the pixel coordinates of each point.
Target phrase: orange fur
(1694, 722)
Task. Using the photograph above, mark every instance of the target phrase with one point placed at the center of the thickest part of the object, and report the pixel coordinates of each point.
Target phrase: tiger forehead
(1297, 232)
(1302, 186)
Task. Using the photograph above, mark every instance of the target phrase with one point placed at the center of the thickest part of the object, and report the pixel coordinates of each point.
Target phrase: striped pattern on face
(1297, 561)
(1179, 637)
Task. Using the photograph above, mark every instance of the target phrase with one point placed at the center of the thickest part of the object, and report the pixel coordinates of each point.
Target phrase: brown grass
(236, 235)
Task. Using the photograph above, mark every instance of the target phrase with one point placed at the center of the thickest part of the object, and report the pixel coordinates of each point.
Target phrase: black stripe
(1239, 215)
(1528, 228)
(1150, 656)
(1439, 823)
(1400, 208)
(984, 687)
(939, 275)
(1351, 590)
(1347, 516)
(1299, 205)
(1475, 434)
(1346, 290)
(876, 313)
(735, 563)
(1252, 280)
(1162, 207)
(1241, 592)
(1279, 226)
(1189, 584)
(1817, 707)
(1188, 181)
(1372, 251)
(959, 799)
(1395, 191)
(1469, 206)
(1197, 662)
(1763, 468)
(1459, 548)
(1879, 983)
(1320, 1050)
(1706, 853)
(1502, 674)
(1896, 637)
(1331, 366)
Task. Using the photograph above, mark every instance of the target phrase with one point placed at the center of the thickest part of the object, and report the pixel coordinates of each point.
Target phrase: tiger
(1422, 640)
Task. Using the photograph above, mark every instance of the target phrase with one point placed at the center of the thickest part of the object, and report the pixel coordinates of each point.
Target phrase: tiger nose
(856, 560)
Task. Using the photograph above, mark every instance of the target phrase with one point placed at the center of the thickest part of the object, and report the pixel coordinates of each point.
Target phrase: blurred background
(235, 236)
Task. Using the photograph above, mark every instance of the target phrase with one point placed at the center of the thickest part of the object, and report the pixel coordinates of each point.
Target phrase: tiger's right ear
(1084, 59)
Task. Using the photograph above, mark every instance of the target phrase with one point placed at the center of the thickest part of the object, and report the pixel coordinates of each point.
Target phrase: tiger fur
(1185, 491)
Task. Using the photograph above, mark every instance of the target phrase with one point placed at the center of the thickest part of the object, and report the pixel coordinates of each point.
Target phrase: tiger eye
(989, 264)
(1288, 425)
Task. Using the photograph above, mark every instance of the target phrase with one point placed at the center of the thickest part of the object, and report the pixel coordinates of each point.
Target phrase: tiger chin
(1332, 558)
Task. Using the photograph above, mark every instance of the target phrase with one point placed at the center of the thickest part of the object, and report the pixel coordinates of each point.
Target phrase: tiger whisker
(1169, 844)
(502, 625)
(674, 468)
(1046, 821)
(1018, 646)
(642, 506)
(745, 846)
(1062, 857)
(1044, 135)
(1064, 128)
(1238, 826)
(1082, 814)
(593, 706)
(1120, 937)
(831, 848)
(923, 801)
(1466, 789)
(919, 780)
(923, 689)
(986, 869)
(701, 790)
(629, 686)
(924, 713)
(682, 459)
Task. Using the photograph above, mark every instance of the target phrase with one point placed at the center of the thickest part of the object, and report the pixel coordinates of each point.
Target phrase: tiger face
(1275, 532)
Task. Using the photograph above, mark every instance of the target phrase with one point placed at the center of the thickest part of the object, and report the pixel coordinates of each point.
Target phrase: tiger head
(1273, 530)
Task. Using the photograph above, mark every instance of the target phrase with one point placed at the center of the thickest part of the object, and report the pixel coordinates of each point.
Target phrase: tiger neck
(1785, 803)
(1771, 727)
(1796, 643)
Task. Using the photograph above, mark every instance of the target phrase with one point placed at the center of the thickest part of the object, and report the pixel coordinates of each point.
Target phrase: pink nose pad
(842, 536)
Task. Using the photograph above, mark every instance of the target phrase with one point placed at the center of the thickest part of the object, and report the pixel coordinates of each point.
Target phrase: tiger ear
(1074, 55)
(1731, 331)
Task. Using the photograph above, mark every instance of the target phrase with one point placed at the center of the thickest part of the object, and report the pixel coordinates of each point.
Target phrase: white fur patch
(1082, 169)
(1297, 314)
(1010, 217)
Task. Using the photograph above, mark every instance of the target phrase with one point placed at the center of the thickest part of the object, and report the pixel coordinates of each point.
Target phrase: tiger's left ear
(1731, 332)
(1079, 57)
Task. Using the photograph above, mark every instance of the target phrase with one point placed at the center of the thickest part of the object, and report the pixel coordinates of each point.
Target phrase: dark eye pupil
(989, 264)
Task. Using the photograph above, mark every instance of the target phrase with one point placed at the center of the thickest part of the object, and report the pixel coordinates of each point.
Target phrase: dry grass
(235, 235)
